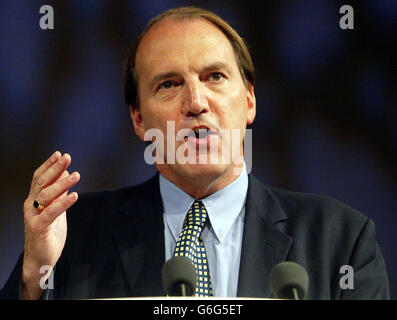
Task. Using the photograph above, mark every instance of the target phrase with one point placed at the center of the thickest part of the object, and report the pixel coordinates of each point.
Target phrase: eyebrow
(216, 66)
(170, 74)
(162, 76)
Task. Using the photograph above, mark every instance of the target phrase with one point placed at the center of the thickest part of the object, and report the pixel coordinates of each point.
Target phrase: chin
(201, 171)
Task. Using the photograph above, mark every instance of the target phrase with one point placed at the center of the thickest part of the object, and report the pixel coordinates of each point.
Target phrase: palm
(57, 234)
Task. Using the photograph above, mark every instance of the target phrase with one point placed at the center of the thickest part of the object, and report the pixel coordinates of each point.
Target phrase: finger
(53, 191)
(63, 175)
(66, 192)
(29, 202)
(50, 175)
(58, 207)
(48, 163)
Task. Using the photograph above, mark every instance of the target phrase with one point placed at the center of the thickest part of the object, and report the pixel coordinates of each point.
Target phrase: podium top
(187, 298)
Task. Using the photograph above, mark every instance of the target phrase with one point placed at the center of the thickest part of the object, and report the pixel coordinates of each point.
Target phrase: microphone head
(176, 271)
(288, 275)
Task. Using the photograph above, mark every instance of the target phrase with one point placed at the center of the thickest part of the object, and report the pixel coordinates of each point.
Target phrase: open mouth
(200, 135)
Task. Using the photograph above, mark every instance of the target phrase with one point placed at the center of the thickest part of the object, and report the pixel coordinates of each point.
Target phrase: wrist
(31, 281)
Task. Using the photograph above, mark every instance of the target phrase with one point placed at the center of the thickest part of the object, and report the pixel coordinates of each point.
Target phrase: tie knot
(197, 215)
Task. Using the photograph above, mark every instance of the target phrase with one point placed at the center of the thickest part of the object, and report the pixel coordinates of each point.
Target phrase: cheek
(152, 117)
(233, 114)
(157, 118)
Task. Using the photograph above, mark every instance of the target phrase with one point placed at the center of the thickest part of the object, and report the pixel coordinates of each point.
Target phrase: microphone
(179, 277)
(289, 280)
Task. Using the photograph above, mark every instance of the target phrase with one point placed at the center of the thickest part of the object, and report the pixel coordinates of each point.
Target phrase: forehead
(173, 43)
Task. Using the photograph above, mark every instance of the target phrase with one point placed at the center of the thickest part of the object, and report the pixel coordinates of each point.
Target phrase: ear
(137, 121)
(251, 100)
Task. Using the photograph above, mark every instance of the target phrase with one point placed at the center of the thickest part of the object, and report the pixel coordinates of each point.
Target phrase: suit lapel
(264, 245)
(139, 237)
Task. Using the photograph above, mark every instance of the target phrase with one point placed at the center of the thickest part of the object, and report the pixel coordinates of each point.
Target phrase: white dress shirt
(222, 234)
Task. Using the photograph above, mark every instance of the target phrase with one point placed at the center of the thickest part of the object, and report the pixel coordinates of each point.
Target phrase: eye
(216, 76)
(166, 85)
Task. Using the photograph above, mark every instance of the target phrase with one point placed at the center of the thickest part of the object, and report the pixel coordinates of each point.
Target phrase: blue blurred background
(326, 101)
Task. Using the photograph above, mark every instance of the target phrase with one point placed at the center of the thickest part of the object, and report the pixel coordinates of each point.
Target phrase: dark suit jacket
(115, 245)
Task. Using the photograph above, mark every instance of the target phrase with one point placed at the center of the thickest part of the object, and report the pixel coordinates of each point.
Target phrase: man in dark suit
(191, 69)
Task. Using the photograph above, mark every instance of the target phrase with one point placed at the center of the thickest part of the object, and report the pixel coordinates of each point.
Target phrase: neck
(202, 182)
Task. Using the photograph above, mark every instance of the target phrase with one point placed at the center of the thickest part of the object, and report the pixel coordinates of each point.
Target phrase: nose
(195, 100)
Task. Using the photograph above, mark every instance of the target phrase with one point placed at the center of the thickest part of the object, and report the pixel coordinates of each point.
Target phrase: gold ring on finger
(38, 205)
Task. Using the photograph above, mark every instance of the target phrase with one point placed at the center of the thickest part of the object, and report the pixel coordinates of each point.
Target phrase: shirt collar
(223, 206)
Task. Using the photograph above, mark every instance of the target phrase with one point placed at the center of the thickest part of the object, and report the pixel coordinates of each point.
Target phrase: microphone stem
(183, 290)
(295, 293)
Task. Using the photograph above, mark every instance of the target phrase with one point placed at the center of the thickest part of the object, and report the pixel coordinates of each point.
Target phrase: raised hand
(46, 227)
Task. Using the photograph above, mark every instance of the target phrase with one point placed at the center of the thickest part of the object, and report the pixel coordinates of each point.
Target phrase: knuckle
(43, 195)
(38, 181)
(49, 211)
(65, 174)
(52, 211)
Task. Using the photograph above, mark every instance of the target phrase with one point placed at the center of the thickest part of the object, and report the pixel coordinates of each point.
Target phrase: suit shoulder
(108, 199)
(92, 200)
(300, 205)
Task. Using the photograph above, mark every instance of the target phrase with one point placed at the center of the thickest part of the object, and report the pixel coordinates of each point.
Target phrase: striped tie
(190, 244)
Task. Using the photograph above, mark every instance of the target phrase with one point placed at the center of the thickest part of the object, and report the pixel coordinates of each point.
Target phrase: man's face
(187, 73)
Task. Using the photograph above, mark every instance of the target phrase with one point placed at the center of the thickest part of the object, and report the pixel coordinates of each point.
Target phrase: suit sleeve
(370, 275)
(12, 288)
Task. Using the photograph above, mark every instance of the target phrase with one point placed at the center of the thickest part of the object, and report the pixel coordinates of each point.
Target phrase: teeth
(203, 134)
(200, 132)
